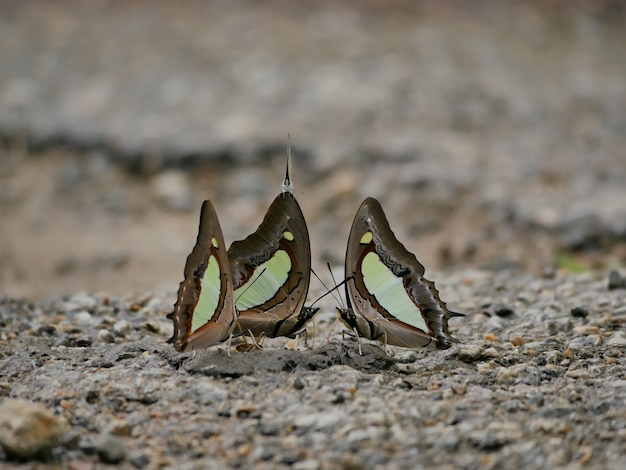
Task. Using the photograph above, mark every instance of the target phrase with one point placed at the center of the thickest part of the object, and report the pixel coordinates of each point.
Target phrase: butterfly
(271, 269)
(388, 297)
(258, 286)
(205, 313)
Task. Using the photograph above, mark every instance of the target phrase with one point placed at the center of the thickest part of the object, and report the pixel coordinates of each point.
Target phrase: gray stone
(122, 328)
(319, 421)
(616, 280)
(83, 318)
(29, 430)
(105, 336)
(579, 312)
(84, 301)
(470, 352)
(617, 340)
(111, 450)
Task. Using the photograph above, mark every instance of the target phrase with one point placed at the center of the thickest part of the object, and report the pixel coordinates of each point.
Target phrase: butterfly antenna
(287, 186)
(328, 291)
(250, 285)
(339, 300)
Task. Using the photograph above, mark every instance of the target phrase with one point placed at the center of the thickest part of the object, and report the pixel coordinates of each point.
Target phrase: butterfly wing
(271, 271)
(388, 297)
(204, 313)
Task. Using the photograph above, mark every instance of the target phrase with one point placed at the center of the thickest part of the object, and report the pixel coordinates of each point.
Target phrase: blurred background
(494, 137)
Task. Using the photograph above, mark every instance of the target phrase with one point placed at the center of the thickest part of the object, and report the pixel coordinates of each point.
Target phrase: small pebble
(516, 340)
(86, 445)
(617, 340)
(491, 353)
(47, 329)
(319, 421)
(122, 328)
(105, 336)
(352, 462)
(119, 427)
(139, 461)
(298, 383)
(83, 318)
(595, 339)
(585, 330)
(308, 464)
(502, 311)
(579, 312)
(83, 342)
(579, 350)
(470, 352)
(111, 450)
(616, 280)
(245, 411)
(29, 430)
(84, 301)
(153, 326)
(577, 374)
(459, 389)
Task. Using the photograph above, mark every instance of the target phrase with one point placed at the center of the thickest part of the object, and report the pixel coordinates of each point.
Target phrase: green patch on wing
(265, 281)
(209, 295)
(390, 292)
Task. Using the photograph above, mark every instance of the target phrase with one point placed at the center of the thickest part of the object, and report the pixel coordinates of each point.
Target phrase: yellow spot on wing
(214, 242)
(288, 236)
(366, 238)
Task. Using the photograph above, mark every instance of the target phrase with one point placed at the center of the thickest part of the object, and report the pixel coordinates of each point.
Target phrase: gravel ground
(494, 139)
(539, 381)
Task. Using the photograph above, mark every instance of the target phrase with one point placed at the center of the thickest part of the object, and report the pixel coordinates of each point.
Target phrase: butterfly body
(204, 313)
(389, 299)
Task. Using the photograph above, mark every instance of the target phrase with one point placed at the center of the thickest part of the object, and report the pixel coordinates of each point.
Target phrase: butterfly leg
(353, 333)
(330, 330)
(228, 346)
(388, 353)
(358, 340)
(296, 335)
(256, 342)
(306, 337)
(245, 346)
(312, 339)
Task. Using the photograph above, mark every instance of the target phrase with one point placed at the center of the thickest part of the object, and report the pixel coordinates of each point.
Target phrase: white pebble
(122, 327)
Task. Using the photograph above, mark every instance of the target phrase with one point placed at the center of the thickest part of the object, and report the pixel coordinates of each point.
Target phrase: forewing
(204, 313)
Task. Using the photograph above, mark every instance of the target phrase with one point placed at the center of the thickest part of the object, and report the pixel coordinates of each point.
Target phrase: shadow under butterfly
(388, 298)
(258, 286)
